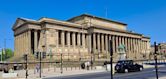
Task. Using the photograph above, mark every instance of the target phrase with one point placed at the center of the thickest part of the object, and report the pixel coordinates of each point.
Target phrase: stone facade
(161, 51)
(83, 36)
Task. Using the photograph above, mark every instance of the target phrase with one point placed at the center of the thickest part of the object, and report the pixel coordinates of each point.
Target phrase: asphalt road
(145, 74)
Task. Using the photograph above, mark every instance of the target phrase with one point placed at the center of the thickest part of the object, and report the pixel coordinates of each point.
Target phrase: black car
(127, 66)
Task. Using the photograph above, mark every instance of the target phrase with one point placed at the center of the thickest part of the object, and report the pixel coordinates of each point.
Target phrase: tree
(8, 53)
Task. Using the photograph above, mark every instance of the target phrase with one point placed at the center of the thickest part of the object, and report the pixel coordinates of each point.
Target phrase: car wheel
(126, 70)
(140, 69)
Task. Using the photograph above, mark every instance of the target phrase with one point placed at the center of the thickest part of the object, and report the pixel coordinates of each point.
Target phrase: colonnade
(98, 43)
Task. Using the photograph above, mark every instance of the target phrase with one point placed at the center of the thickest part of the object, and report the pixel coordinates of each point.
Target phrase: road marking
(123, 75)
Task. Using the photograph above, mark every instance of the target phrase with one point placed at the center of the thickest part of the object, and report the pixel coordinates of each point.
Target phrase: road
(145, 74)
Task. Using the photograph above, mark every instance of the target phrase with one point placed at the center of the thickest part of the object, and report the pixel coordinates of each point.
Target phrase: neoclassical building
(82, 36)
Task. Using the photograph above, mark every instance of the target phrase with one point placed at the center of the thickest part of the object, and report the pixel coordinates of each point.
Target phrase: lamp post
(40, 55)
(1, 54)
(91, 59)
(26, 65)
(155, 57)
(111, 58)
(61, 67)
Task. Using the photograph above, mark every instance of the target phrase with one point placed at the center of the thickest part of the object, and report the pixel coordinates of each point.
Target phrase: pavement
(51, 72)
(145, 74)
(55, 73)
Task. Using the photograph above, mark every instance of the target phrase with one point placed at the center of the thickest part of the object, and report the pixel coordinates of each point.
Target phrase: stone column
(146, 46)
(143, 47)
(89, 43)
(22, 44)
(78, 38)
(24, 47)
(139, 42)
(15, 44)
(73, 38)
(138, 53)
(120, 40)
(140, 46)
(106, 43)
(123, 41)
(136, 45)
(106, 46)
(29, 41)
(62, 39)
(57, 40)
(20, 41)
(94, 42)
(83, 40)
(113, 43)
(86, 40)
(117, 43)
(35, 40)
(131, 48)
(102, 42)
(126, 45)
(98, 43)
(128, 42)
(68, 39)
(135, 48)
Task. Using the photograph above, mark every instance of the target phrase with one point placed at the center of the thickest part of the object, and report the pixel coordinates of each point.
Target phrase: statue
(121, 52)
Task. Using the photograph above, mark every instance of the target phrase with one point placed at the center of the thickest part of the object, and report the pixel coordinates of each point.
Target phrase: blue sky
(143, 16)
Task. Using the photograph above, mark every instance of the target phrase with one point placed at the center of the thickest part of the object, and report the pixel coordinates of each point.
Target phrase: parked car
(6, 68)
(86, 65)
(1, 67)
(18, 66)
(127, 66)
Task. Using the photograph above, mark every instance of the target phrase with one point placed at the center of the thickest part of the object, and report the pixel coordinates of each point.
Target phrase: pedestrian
(88, 65)
(37, 68)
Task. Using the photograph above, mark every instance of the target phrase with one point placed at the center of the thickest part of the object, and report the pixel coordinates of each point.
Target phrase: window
(76, 40)
(71, 38)
(65, 37)
(59, 36)
(81, 39)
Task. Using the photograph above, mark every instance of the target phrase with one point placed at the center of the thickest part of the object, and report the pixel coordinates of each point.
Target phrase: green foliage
(8, 53)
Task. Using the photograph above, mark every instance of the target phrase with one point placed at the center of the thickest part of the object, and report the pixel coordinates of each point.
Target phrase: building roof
(88, 15)
(21, 21)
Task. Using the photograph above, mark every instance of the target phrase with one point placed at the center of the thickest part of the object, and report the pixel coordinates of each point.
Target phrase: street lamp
(41, 59)
(26, 64)
(111, 58)
(1, 53)
(155, 57)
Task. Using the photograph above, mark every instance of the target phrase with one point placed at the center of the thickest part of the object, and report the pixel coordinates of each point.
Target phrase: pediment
(18, 23)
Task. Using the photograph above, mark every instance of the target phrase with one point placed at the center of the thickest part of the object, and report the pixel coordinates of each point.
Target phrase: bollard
(54, 68)
(34, 71)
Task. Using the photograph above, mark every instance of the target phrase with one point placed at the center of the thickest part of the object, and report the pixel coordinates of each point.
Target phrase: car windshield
(120, 62)
(125, 62)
